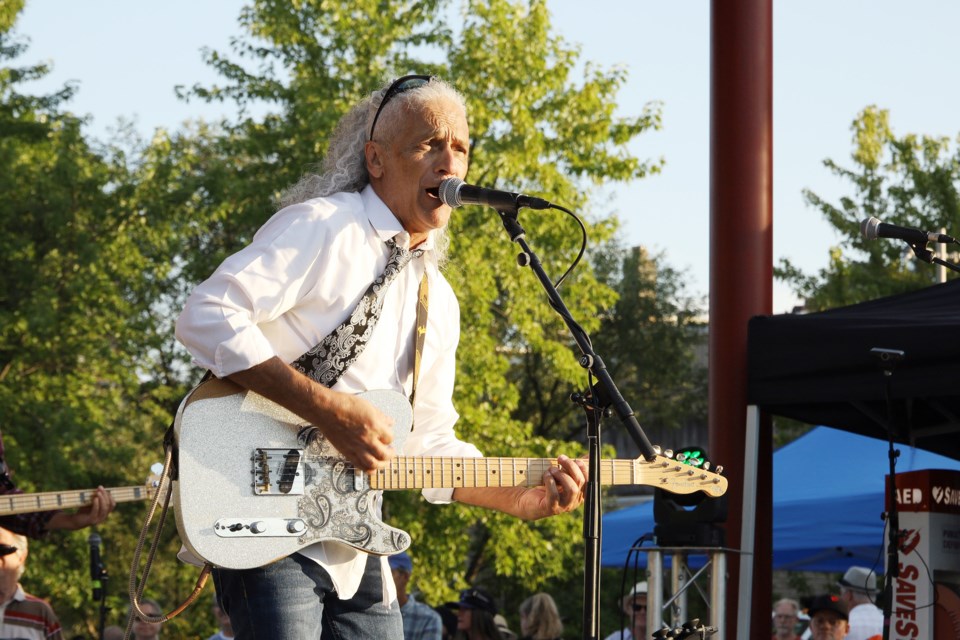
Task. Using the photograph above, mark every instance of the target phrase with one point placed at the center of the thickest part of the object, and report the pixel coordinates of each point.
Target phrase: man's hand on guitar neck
(359, 431)
(561, 491)
(96, 512)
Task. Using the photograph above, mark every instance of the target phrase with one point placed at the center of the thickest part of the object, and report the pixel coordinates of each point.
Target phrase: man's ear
(373, 155)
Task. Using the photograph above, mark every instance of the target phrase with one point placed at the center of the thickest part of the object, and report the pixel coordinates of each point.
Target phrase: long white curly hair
(344, 167)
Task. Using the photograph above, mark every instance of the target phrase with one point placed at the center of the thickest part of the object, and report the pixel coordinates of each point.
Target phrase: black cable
(583, 244)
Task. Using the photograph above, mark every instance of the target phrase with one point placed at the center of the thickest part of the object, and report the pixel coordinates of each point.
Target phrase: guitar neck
(14, 503)
(411, 472)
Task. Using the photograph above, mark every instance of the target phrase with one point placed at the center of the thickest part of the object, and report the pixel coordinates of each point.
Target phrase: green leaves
(909, 181)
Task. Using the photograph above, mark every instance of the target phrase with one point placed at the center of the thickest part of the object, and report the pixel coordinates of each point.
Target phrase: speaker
(689, 520)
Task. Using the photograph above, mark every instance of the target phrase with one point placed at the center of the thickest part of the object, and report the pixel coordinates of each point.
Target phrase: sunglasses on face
(400, 85)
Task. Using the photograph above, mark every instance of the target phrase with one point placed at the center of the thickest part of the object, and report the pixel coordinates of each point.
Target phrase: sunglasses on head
(400, 85)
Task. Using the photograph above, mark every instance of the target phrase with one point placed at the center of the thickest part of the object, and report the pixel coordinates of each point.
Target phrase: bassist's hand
(96, 512)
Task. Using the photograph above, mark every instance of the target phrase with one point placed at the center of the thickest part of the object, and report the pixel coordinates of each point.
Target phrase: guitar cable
(165, 488)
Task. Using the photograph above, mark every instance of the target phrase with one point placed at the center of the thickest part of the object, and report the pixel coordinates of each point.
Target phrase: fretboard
(11, 504)
(413, 472)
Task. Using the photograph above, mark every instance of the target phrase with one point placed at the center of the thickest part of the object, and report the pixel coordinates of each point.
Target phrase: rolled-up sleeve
(220, 324)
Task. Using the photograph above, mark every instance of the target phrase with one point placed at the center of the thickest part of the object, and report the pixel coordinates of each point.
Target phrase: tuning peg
(668, 453)
(681, 457)
(657, 450)
(706, 465)
(719, 469)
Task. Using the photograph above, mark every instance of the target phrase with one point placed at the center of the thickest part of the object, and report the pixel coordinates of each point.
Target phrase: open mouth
(434, 192)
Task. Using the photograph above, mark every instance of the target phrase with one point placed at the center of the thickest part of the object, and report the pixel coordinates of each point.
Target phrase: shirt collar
(18, 596)
(385, 223)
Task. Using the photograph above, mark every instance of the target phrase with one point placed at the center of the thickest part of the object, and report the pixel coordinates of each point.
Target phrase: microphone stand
(888, 359)
(98, 574)
(923, 253)
(604, 397)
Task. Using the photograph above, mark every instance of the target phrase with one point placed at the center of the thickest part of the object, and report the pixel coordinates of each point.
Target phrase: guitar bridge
(278, 472)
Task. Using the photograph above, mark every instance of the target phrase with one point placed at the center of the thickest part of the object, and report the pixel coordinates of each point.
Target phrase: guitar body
(256, 483)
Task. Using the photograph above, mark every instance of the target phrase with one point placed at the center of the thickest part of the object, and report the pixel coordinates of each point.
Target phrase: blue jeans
(293, 599)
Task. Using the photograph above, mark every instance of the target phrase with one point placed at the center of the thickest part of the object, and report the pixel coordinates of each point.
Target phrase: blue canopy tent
(828, 494)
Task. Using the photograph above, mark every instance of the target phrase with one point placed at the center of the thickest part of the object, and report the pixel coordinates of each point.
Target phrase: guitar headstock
(681, 474)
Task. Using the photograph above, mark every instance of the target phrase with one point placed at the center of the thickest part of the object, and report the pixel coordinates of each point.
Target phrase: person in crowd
(113, 632)
(634, 606)
(858, 590)
(223, 622)
(37, 524)
(143, 630)
(419, 620)
(323, 304)
(828, 618)
(448, 615)
(786, 615)
(476, 613)
(504, 627)
(539, 618)
(25, 617)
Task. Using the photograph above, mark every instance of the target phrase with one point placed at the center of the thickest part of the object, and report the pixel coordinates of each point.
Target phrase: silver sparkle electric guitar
(256, 483)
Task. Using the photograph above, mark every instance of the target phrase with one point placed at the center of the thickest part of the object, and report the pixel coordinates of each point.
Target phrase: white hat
(859, 579)
(640, 587)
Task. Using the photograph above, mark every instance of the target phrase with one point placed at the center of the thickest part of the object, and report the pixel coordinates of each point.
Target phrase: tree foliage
(909, 180)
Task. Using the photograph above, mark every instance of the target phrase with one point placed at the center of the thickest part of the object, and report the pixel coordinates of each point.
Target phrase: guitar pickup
(278, 472)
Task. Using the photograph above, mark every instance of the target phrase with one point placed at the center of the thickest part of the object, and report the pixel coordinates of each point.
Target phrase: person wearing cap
(858, 590)
(476, 616)
(419, 620)
(828, 618)
(634, 606)
(341, 292)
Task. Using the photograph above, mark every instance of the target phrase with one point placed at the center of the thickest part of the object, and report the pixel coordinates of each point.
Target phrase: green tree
(909, 180)
(78, 325)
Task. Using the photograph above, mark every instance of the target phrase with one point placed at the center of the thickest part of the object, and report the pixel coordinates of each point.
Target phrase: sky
(832, 58)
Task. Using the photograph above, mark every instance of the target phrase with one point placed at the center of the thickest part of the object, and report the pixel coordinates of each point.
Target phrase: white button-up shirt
(301, 276)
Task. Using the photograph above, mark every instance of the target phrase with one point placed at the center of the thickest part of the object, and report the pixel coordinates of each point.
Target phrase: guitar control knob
(296, 526)
(258, 527)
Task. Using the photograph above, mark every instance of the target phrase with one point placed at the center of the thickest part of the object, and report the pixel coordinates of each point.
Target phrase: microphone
(871, 228)
(454, 193)
(96, 567)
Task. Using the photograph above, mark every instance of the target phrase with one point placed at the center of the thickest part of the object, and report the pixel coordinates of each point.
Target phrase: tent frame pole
(748, 520)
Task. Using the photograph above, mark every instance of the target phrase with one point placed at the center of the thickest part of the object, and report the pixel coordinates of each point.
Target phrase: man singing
(325, 303)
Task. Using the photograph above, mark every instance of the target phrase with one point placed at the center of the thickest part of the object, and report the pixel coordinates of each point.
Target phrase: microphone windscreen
(868, 228)
(449, 192)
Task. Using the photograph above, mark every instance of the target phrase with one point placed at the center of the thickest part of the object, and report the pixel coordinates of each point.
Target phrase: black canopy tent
(819, 368)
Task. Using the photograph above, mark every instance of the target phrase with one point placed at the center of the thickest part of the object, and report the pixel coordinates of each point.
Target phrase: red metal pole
(741, 271)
